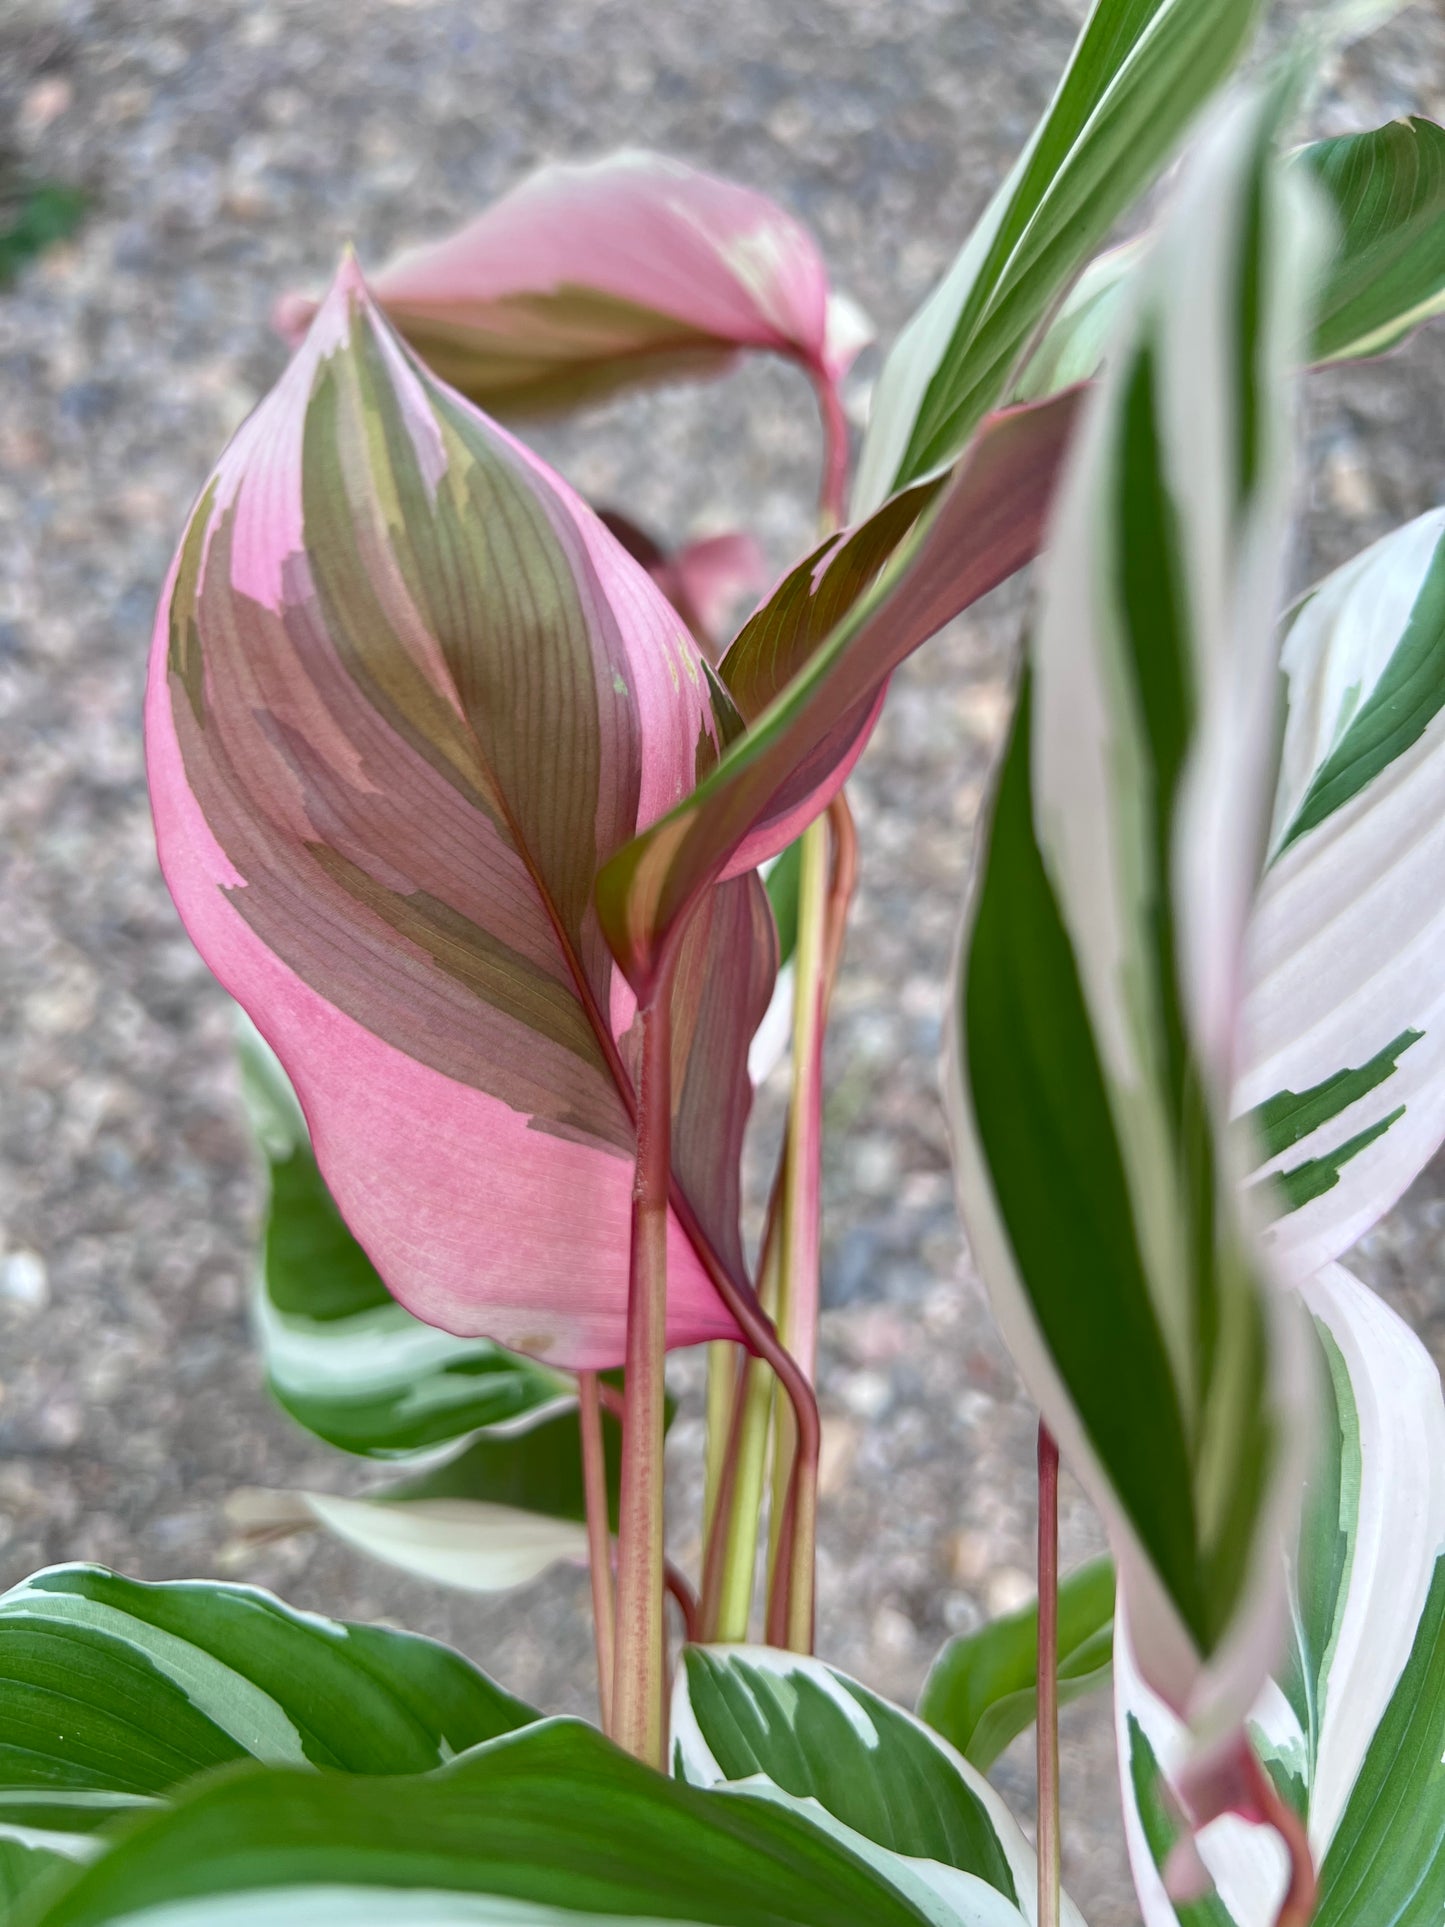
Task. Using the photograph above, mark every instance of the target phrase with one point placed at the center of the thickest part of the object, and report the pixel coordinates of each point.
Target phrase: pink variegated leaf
(705, 581)
(809, 670)
(584, 279)
(407, 694)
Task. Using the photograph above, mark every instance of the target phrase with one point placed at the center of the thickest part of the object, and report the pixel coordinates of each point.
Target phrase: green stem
(637, 1690)
(739, 1557)
(723, 1359)
(1048, 1679)
(599, 1537)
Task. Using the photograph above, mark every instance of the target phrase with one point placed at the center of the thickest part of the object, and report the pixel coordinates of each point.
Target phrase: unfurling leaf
(1098, 1000)
(1350, 1724)
(982, 1690)
(1139, 73)
(584, 279)
(548, 1827)
(775, 1726)
(812, 665)
(1342, 1067)
(407, 695)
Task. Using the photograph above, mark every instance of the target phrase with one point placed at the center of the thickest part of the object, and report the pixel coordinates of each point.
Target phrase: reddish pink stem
(637, 1679)
(599, 1538)
(1048, 1679)
(833, 489)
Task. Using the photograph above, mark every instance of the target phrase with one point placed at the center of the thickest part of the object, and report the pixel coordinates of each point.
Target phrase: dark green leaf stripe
(536, 1470)
(552, 1819)
(1162, 1828)
(1046, 1127)
(1289, 1116)
(1388, 189)
(1385, 1866)
(800, 1727)
(1396, 714)
(114, 1687)
(1305, 1182)
(982, 1690)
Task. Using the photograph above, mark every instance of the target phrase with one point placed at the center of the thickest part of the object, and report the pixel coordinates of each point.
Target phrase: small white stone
(866, 1394)
(24, 1280)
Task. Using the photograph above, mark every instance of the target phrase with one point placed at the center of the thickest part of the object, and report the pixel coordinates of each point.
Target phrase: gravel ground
(231, 150)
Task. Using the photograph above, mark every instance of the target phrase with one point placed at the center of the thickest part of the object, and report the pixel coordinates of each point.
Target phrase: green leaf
(782, 881)
(1386, 1863)
(117, 1693)
(34, 216)
(1388, 274)
(1385, 277)
(1140, 71)
(982, 1690)
(553, 1825)
(1096, 1006)
(343, 1358)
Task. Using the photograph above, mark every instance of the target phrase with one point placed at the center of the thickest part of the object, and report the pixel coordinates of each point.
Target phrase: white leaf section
(1399, 1534)
(1346, 948)
(344, 1906)
(470, 1544)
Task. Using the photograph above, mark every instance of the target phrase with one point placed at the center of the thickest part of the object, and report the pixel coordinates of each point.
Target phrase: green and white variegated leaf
(496, 1514)
(1095, 1024)
(548, 1828)
(342, 1356)
(1351, 1726)
(1385, 277)
(1139, 73)
(117, 1693)
(1343, 1060)
(774, 1725)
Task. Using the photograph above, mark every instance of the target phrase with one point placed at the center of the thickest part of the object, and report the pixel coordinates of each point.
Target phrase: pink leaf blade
(406, 695)
(586, 278)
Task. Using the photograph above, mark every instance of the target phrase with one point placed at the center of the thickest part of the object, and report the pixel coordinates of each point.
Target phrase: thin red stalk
(1297, 1909)
(599, 1538)
(685, 1599)
(833, 488)
(637, 1689)
(1048, 1679)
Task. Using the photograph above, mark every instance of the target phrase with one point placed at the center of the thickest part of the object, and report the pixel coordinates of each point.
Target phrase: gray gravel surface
(232, 148)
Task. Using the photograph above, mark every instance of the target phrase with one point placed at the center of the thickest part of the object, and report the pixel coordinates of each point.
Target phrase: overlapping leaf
(1350, 1726)
(584, 279)
(812, 665)
(550, 1826)
(776, 1726)
(1342, 1070)
(407, 695)
(341, 1355)
(1097, 1007)
(1140, 71)
(1385, 276)
(118, 1693)
(982, 1689)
